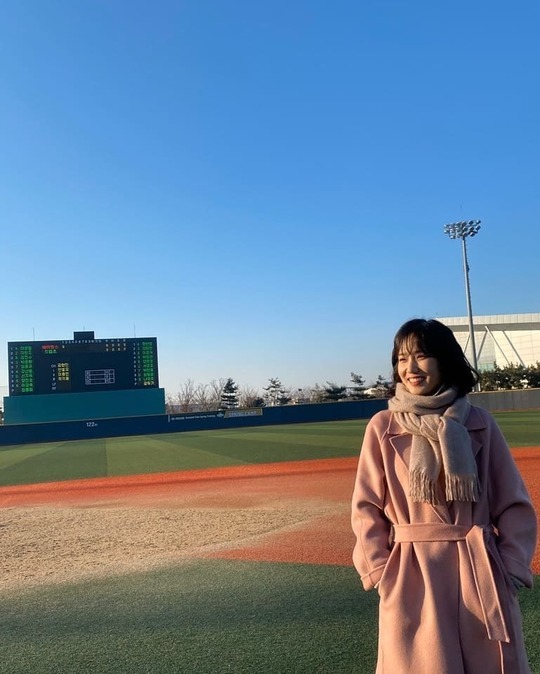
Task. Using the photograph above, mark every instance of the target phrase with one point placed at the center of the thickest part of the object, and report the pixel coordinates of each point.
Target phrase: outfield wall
(20, 434)
(504, 401)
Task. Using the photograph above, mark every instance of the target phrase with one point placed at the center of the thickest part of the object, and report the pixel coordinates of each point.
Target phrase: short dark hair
(436, 340)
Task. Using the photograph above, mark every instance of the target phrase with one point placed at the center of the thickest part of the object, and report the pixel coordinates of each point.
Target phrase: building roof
(494, 322)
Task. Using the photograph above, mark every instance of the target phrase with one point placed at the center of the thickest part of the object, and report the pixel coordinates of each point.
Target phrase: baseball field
(224, 551)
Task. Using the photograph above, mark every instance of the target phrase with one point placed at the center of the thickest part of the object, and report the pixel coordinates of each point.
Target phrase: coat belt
(483, 563)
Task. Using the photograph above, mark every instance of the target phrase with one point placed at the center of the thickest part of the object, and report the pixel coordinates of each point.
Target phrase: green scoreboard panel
(82, 365)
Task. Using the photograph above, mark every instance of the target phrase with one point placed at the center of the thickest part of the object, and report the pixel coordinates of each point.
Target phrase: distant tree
(300, 396)
(533, 376)
(510, 377)
(229, 395)
(276, 394)
(192, 398)
(203, 399)
(334, 392)
(215, 389)
(186, 396)
(491, 380)
(315, 394)
(248, 397)
(356, 391)
(382, 387)
(171, 406)
(517, 376)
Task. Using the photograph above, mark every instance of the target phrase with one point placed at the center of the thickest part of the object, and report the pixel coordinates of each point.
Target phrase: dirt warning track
(284, 512)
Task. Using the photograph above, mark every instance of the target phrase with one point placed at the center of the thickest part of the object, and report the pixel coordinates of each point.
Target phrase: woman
(445, 528)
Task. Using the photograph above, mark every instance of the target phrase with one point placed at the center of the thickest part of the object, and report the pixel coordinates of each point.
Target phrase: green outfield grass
(200, 617)
(26, 464)
(521, 429)
(204, 617)
(55, 461)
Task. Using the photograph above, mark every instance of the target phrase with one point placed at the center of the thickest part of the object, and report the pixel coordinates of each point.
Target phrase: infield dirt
(289, 512)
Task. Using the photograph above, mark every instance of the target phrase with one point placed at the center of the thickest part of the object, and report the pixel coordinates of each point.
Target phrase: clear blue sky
(263, 186)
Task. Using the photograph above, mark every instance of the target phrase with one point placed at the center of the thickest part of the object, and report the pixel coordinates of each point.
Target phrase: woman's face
(419, 373)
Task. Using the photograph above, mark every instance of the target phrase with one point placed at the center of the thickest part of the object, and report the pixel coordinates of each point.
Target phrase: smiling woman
(445, 528)
(426, 355)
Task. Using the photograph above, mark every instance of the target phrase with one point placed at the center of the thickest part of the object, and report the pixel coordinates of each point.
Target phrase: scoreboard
(82, 365)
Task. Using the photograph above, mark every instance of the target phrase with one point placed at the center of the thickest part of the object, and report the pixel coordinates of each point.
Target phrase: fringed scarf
(440, 444)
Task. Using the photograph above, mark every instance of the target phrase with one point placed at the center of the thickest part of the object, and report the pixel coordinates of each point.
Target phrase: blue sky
(263, 186)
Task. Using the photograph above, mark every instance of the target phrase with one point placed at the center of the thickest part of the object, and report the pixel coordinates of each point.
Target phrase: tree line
(226, 394)
(511, 377)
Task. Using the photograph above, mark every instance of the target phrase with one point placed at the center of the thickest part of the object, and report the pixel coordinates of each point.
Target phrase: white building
(500, 340)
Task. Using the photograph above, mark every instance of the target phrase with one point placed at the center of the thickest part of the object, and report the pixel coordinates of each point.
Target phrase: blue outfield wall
(20, 434)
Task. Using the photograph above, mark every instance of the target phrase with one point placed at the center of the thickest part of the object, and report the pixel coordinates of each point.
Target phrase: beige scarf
(440, 444)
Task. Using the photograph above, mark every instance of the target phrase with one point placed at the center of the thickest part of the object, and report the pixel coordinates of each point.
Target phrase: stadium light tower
(461, 230)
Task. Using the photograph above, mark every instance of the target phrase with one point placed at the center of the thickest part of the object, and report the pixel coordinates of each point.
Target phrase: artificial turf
(204, 617)
(199, 617)
(521, 429)
(49, 462)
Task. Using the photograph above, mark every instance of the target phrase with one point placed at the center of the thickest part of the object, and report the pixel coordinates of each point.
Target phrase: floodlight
(461, 230)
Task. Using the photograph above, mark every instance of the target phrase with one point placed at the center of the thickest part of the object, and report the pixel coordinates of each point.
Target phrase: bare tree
(215, 388)
(202, 398)
(317, 393)
(301, 395)
(186, 396)
(248, 397)
(171, 405)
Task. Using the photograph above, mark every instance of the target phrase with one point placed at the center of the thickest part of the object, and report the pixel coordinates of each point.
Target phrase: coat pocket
(388, 577)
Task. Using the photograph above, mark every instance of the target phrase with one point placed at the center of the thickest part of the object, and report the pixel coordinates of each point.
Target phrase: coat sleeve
(370, 525)
(511, 510)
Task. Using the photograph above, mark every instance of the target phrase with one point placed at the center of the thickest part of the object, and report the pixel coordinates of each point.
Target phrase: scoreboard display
(82, 365)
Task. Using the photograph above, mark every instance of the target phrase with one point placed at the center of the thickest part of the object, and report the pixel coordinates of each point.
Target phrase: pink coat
(447, 604)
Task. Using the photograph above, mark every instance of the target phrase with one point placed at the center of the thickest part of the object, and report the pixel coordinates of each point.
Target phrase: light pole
(461, 230)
